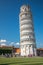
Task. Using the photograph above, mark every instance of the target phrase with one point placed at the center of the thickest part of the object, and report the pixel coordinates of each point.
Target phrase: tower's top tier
(25, 8)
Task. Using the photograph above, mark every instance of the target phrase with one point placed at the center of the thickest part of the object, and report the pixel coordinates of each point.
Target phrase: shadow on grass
(4, 64)
(22, 63)
(34, 64)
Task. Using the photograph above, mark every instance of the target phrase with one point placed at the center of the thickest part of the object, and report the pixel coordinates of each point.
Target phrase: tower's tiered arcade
(27, 37)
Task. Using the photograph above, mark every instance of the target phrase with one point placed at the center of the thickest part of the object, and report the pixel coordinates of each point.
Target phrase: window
(26, 45)
(22, 46)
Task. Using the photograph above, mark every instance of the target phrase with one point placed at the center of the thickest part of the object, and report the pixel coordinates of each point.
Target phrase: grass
(21, 61)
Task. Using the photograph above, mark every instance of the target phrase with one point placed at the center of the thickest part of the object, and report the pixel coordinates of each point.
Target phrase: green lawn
(21, 61)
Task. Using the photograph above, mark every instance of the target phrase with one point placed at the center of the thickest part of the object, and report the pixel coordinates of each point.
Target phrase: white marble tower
(27, 37)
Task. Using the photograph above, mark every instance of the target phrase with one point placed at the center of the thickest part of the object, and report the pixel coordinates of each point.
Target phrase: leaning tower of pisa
(27, 37)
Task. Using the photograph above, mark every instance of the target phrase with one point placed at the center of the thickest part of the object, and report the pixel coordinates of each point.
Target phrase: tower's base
(28, 50)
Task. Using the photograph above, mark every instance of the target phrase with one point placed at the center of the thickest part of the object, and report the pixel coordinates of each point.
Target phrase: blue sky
(9, 19)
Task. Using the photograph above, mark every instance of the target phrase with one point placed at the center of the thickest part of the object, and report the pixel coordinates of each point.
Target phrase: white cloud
(3, 40)
(12, 43)
(17, 43)
(3, 44)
